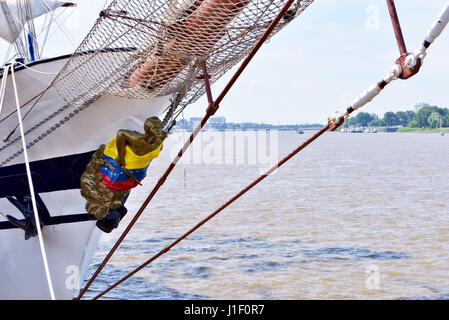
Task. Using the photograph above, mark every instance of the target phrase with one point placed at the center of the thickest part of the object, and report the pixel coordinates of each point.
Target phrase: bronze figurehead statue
(118, 167)
(139, 143)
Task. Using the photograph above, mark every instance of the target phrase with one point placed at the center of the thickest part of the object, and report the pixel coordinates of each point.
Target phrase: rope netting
(149, 48)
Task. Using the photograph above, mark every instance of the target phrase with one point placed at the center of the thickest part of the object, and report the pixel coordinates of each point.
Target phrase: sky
(315, 66)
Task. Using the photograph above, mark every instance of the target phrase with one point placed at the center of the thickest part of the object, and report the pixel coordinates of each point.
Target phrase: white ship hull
(57, 160)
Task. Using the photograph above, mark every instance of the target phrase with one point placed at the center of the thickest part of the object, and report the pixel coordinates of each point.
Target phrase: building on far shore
(419, 106)
(217, 123)
(194, 122)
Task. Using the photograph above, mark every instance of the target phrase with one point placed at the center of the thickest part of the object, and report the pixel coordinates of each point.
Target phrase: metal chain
(49, 131)
(46, 133)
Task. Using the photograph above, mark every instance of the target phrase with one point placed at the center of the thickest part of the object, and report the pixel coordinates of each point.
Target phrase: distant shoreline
(379, 129)
(405, 130)
(426, 130)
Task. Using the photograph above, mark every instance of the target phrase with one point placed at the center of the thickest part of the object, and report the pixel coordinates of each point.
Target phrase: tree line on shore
(426, 117)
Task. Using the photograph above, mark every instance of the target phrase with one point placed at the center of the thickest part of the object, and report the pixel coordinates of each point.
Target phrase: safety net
(141, 49)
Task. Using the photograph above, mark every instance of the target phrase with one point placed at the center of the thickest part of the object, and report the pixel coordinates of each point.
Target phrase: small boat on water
(356, 130)
(370, 130)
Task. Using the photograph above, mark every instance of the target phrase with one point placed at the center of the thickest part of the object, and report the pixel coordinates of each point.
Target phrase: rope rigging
(221, 208)
(31, 186)
(210, 111)
(3, 87)
(36, 97)
(405, 67)
(111, 53)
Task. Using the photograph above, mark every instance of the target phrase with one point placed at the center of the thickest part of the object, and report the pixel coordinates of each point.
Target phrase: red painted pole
(207, 83)
(209, 113)
(221, 208)
(397, 27)
(212, 108)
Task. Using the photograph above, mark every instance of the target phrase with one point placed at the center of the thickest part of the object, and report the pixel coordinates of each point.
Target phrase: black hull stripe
(73, 218)
(50, 175)
(56, 174)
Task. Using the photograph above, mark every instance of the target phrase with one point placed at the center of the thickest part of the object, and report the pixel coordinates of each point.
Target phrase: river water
(354, 216)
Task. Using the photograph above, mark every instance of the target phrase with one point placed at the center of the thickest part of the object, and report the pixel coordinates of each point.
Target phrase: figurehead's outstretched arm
(123, 138)
(141, 144)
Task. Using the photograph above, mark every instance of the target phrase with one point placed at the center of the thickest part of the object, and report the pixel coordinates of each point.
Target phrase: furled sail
(15, 13)
(149, 48)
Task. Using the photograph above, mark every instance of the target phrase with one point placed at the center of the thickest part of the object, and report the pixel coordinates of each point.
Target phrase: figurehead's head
(154, 127)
